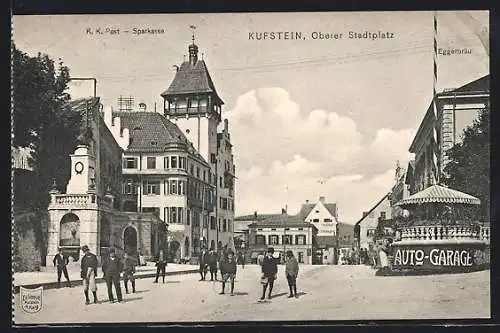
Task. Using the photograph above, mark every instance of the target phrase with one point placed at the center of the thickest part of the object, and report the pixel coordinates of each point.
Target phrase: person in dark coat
(203, 259)
(112, 267)
(61, 261)
(129, 263)
(269, 271)
(228, 270)
(292, 270)
(161, 264)
(89, 273)
(212, 264)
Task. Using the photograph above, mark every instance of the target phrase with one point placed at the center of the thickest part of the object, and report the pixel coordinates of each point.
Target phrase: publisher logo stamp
(31, 299)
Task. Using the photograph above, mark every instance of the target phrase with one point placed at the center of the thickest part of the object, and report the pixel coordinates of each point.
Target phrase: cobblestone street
(325, 293)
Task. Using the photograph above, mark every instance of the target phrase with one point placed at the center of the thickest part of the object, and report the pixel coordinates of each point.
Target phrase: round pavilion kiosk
(442, 234)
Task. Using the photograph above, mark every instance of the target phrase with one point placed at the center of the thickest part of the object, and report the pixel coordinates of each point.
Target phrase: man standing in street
(212, 263)
(291, 270)
(89, 273)
(161, 263)
(203, 259)
(129, 263)
(61, 261)
(112, 267)
(269, 271)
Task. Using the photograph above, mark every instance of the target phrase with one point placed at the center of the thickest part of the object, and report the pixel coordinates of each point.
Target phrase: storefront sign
(434, 257)
(437, 256)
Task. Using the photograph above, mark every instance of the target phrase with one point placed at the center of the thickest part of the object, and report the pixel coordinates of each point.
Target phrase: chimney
(226, 125)
(307, 201)
(283, 211)
(255, 215)
(142, 107)
(322, 199)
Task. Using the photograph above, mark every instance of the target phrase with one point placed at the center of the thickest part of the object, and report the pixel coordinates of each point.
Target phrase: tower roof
(191, 79)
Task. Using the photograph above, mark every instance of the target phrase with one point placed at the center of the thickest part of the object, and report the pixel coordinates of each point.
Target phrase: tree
(43, 121)
(469, 167)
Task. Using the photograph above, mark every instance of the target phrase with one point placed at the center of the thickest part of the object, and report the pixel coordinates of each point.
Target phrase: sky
(308, 117)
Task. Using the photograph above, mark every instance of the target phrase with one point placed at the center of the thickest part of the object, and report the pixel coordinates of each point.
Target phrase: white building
(365, 228)
(324, 216)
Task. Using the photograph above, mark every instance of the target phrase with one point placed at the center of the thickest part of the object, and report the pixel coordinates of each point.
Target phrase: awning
(439, 194)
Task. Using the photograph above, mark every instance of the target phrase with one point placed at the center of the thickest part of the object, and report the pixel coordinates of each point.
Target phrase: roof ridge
(373, 208)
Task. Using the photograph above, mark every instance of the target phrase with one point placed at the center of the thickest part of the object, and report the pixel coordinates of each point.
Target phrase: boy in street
(129, 264)
(161, 263)
(228, 270)
(269, 271)
(112, 267)
(292, 270)
(61, 261)
(212, 263)
(88, 273)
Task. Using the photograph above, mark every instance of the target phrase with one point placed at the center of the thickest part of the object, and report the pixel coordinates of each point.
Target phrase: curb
(79, 282)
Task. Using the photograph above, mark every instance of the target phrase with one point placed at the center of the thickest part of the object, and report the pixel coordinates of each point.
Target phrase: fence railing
(445, 233)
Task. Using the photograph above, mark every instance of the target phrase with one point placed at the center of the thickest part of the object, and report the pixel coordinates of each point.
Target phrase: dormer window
(154, 143)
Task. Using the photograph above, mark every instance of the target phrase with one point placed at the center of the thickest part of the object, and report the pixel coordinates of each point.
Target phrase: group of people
(112, 268)
(210, 260)
(225, 262)
(269, 264)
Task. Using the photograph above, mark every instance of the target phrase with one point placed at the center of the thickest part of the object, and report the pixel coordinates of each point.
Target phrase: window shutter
(145, 187)
(157, 188)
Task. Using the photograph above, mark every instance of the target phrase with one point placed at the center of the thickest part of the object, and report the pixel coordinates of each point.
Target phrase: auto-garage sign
(433, 257)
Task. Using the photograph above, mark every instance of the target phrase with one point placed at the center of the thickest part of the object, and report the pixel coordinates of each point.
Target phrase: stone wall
(26, 255)
(29, 241)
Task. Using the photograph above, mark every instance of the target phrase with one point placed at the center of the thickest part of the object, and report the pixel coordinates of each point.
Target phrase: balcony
(445, 234)
(162, 172)
(68, 201)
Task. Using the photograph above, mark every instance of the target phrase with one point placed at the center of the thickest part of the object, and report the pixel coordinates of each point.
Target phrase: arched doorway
(69, 235)
(186, 247)
(130, 240)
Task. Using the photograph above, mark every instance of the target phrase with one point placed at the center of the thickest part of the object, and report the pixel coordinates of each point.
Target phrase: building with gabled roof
(163, 174)
(364, 228)
(324, 216)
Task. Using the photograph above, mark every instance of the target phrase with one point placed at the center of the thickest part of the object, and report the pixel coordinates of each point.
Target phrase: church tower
(192, 103)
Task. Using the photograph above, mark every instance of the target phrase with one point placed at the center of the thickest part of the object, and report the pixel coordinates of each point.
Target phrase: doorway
(130, 240)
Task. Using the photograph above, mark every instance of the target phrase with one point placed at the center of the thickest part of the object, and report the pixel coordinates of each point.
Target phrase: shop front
(441, 235)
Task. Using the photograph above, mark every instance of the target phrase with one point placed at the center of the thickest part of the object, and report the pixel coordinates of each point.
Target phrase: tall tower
(192, 103)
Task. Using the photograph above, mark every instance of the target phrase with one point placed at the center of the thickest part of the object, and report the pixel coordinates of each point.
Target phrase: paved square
(326, 293)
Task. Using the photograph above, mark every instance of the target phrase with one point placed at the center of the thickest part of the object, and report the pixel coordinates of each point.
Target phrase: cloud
(285, 155)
